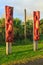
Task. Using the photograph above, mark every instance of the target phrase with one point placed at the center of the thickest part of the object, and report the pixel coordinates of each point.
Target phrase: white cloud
(30, 5)
(20, 5)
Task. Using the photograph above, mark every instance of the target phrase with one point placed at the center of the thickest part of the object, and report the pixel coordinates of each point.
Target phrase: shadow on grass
(40, 49)
(23, 51)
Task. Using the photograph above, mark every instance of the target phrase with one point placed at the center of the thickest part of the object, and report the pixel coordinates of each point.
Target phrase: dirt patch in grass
(35, 62)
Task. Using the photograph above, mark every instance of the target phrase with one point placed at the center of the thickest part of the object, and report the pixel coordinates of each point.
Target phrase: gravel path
(35, 62)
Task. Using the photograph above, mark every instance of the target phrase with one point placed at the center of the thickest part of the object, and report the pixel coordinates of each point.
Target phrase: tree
(18, 29)
(41, 26)
(2, 29)
(29, 29)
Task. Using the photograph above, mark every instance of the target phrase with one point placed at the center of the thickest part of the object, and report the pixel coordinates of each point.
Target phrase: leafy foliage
(19, 29)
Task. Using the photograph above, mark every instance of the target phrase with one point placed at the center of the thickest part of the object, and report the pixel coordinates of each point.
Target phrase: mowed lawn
(20, 53)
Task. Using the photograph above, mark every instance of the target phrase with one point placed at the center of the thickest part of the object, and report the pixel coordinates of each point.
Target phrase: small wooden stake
(8, 48)
(25, 23)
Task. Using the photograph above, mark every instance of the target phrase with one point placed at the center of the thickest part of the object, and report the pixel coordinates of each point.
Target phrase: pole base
(35, 45)
(8, 48)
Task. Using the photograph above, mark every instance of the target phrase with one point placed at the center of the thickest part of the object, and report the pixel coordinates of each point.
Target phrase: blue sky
(20, 5)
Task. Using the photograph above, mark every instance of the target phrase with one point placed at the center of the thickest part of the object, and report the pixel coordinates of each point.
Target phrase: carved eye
(11, 13)
(9, 20)
(36, 18)
(37, 32)
(9, 32)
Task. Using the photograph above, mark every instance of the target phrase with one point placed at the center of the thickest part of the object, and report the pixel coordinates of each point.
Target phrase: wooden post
(35, 45)
(9, 28)
(36, 15)
(8, 48)
(25, 23)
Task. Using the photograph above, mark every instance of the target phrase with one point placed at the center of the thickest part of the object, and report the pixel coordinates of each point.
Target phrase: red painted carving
(36, 24)
(9, 23)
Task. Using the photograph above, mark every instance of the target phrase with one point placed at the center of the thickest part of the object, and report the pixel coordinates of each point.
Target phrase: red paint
(36, 24)
(9, 23)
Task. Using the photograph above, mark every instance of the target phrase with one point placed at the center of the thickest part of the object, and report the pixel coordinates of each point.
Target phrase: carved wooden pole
(36, 15)
(9, 28)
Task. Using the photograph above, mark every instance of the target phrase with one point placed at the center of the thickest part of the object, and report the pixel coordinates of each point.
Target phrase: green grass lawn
(20, 53)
